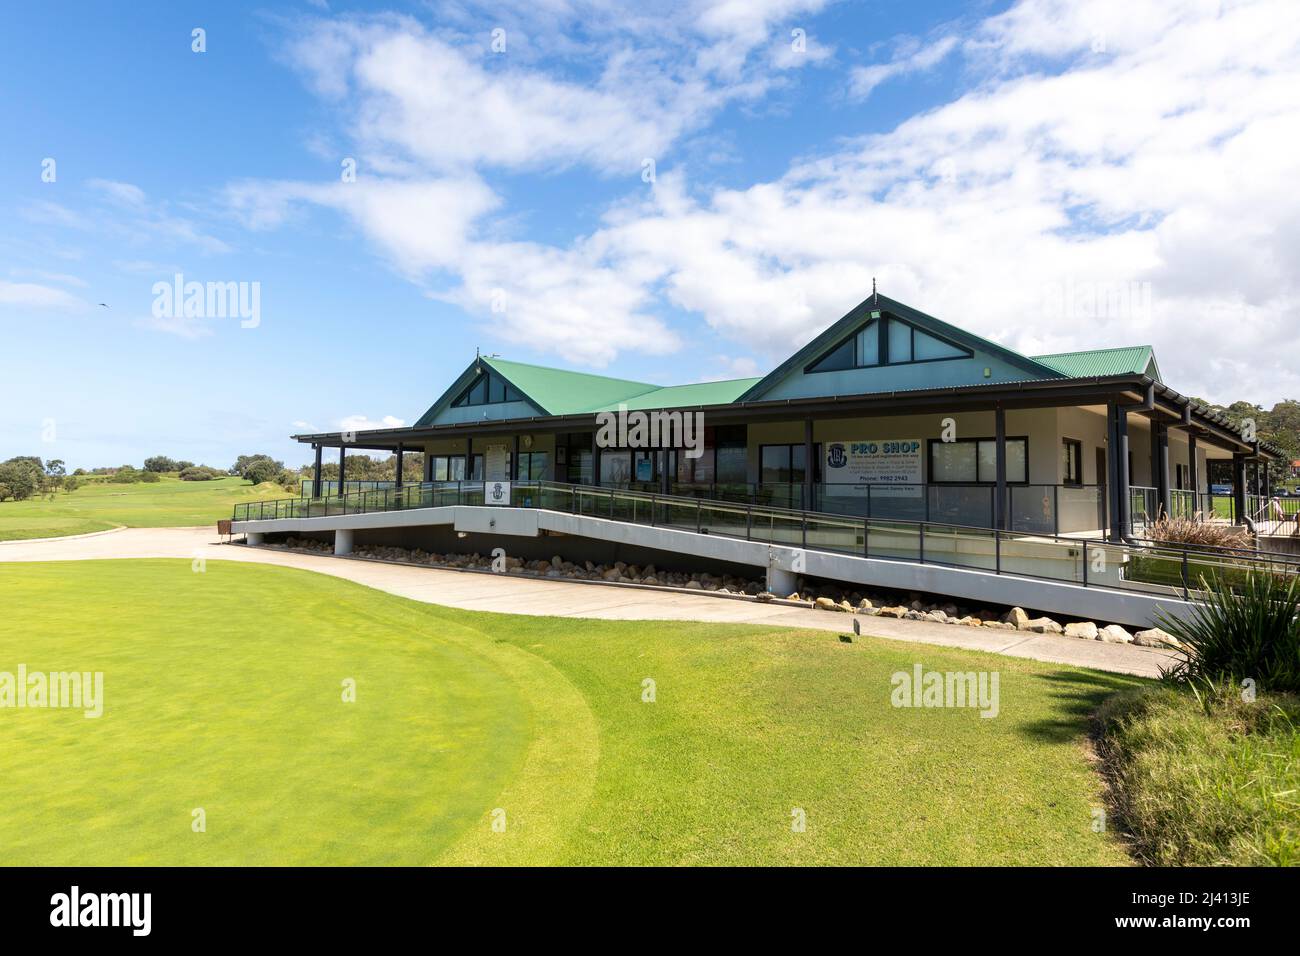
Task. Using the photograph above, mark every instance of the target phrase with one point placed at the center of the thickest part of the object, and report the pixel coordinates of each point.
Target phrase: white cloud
(360, 423)
(125, 194)
(33, 295)
(911, 59)
(1100, 144)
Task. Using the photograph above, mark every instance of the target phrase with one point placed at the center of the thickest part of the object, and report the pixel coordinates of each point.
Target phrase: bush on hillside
(21, 477)
(258, 468)
(161, 463)
(199, 473)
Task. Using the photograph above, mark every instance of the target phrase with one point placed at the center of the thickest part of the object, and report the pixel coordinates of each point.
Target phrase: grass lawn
(98, 506)
(223, 692)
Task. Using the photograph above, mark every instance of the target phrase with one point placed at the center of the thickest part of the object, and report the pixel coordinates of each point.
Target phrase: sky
(668, 192)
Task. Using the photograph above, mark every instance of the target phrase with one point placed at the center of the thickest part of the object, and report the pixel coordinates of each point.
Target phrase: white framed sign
(496, 492)
(849, 467)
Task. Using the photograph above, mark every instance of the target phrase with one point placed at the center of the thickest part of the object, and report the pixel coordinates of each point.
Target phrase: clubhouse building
(888, 413)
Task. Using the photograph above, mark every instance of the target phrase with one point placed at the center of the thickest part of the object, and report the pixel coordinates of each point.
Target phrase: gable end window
(487, 389)
(888, 341)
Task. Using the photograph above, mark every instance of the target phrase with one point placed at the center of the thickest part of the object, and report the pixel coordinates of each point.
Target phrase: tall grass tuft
(1199, 530)
(1249, 629)
(1201, 776)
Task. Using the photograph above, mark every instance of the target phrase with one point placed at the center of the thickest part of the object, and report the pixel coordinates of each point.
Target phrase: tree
(21, 477)
(161, 463)
(258, 468)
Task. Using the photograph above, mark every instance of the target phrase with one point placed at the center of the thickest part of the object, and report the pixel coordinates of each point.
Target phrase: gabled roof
(881, 304)
(1132, 359)
(558, 391)
(701, 393)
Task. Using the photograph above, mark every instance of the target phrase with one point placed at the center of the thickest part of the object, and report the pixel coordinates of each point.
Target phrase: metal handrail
(427, 494)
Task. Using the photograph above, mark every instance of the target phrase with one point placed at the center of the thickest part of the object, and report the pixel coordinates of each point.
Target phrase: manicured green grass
(222, 691)
(98, 506)
(1205, 778)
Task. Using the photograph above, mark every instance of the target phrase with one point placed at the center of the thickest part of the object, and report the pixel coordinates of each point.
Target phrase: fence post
(920, 541)
(866, 530)
(997, 550)
(1184, 573)
(1085, 564)
(749, 521)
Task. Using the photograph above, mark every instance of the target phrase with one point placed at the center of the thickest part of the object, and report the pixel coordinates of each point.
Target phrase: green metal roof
(561, 392)
(1130, 360)
(558, 391)
(683, 396)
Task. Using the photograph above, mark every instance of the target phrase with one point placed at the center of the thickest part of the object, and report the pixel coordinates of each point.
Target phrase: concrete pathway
(521, 595)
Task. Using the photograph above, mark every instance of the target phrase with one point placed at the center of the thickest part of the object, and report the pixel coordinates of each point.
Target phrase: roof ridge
(1108, 348)
(568, 371)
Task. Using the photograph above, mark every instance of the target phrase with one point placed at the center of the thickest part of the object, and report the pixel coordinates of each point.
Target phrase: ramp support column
(343, 541)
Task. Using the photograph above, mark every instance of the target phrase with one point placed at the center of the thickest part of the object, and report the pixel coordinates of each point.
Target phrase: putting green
(214, 700)
(223, 692)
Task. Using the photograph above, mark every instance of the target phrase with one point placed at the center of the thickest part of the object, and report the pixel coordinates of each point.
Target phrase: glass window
(975, 460)
(775, 464)
(905, 344)
(868, 345)
(1072, 461)
(615, 467)
(953, 461)
(733, 465)
(928, 347)
(900, 342)
(838, 359)
(496, 389)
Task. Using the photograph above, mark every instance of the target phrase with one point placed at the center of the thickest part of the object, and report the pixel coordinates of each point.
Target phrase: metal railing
(1150, 567)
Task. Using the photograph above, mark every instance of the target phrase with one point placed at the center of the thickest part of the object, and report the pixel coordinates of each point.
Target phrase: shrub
(1249, 628)
(1202, 777)
(161, 463)
(199, 473)
(258, 468)
(21, 477)
(1199, 531)
(71, 483)
(148, 477)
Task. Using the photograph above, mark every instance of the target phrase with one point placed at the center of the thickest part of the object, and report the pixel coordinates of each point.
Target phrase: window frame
(929, 459)
(882, 349)
(1075, 481)
(508, 392)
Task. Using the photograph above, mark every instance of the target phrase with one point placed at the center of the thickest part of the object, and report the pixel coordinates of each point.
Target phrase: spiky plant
(1249, 629)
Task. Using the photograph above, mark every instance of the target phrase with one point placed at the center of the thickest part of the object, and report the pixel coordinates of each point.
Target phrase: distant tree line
(1279, 426)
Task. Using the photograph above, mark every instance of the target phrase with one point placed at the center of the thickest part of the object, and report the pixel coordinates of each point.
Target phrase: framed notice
(886, 469)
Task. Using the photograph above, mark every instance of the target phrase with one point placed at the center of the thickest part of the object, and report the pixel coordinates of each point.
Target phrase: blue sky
(1052, 175)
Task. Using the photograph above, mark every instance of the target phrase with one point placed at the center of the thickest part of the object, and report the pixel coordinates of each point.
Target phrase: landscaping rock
(826, 604)
(864, 605)
(1000, 625)
(897, 612)
(1017, 618)
(1155, 637)
(1082, 629)
(1114, 634)
(764, 596)
(1041, 625)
